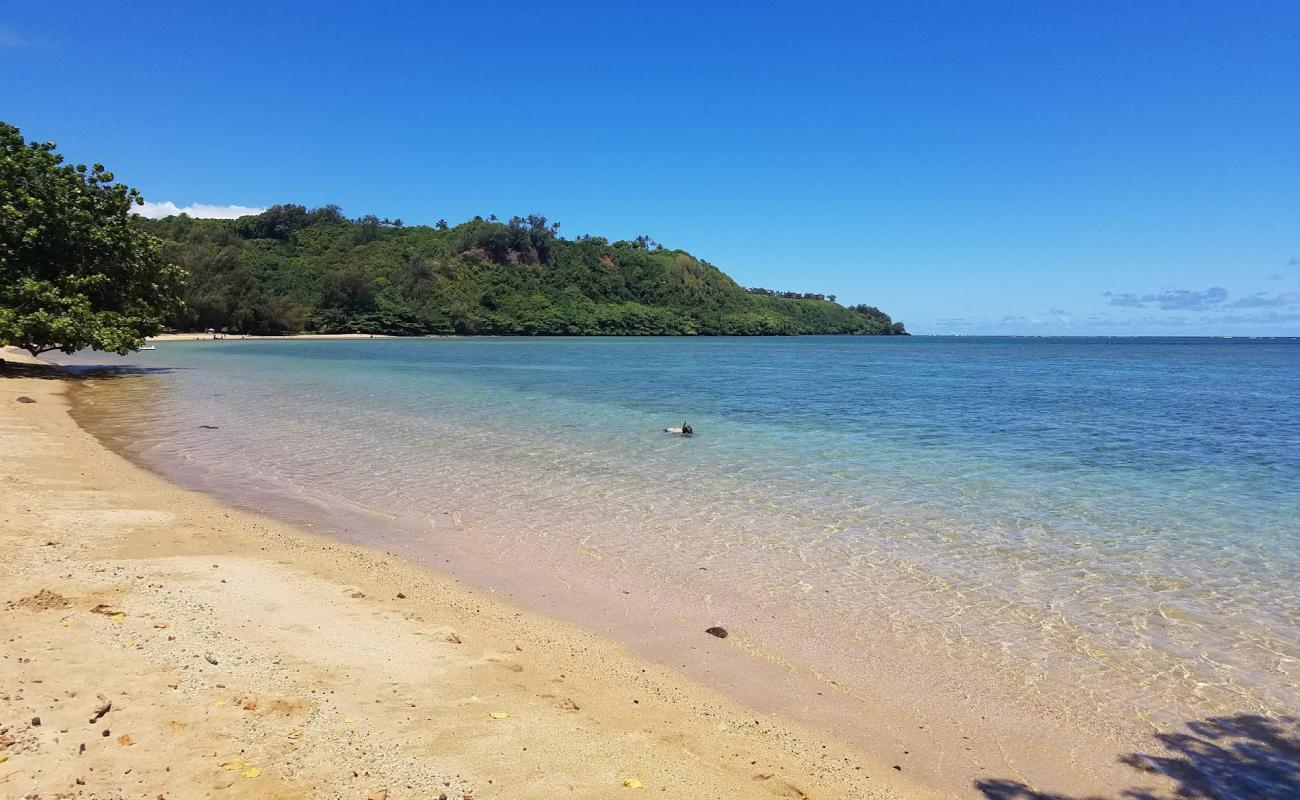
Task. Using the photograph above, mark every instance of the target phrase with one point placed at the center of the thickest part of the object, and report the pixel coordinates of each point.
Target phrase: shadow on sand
(75, 372)
(1245, 757)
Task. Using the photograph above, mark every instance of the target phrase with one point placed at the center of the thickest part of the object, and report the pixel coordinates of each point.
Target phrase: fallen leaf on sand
(65, 622)
(125, 740)
(251, 705)
(3, 758)
(100, 710)
(176, 727)
(118, 617)
(296, 735)
(220, 703)
(632, 783)
(252, 772)
(382, 794)
(349, 720)
(238, 763)
(498, 714)
(160, 625)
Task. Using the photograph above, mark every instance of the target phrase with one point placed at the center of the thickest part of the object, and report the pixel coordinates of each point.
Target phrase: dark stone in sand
(209, 427)
(721, 633)
(26, 399)
(36, 722)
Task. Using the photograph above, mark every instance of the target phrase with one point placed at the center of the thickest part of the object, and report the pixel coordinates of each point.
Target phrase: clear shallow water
(1120, 516)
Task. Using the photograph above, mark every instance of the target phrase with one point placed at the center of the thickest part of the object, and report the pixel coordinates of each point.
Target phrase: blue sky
(998, 167)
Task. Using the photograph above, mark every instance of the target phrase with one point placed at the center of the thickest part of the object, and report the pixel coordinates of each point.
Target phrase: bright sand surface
(194, 337)
(243, 657)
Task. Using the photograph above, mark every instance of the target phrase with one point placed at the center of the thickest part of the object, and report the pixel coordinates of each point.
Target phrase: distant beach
(199, 337)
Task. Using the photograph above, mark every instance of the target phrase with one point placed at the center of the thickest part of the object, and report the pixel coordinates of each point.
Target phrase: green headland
(291, 269)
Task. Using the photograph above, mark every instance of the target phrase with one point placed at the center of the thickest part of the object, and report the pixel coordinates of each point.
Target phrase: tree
(75, 271)
(504, 277)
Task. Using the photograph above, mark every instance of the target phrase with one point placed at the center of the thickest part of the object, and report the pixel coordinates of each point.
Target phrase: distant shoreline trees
(78, 269)
(292, 268)
(790, 295)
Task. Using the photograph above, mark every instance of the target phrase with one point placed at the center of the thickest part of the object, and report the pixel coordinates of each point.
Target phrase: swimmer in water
(684, 430)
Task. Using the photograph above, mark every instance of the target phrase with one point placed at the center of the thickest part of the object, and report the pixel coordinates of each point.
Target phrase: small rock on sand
(721, 633)
(26, 399)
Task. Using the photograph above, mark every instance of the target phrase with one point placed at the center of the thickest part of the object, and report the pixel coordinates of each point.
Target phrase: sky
(969, 167)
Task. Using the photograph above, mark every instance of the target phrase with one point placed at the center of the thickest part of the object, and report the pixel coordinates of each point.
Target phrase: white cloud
(200, 210)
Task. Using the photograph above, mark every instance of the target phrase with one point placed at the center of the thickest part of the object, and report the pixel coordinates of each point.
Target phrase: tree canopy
(291, 269)
(76, 270)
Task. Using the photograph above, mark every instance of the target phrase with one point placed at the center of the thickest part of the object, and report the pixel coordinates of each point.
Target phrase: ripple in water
(1113, 519)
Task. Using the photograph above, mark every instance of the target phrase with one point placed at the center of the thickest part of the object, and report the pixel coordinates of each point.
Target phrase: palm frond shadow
(1242, 757)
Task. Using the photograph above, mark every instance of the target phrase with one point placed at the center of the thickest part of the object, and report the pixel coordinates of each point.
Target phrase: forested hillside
(290, 269)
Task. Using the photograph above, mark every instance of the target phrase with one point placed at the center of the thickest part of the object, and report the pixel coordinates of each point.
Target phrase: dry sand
(243, 657)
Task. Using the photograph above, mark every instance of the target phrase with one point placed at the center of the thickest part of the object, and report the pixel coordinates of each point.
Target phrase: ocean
(1113, 523)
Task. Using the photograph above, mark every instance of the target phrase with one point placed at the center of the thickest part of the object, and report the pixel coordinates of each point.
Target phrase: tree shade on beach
(1240, 757)
(291, 269)
(75, 270)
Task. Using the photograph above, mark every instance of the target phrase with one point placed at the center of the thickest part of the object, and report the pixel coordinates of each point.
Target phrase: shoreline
(922, 717)
(334, 674)
(963, 738)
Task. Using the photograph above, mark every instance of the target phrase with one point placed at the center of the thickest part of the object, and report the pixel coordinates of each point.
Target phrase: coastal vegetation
(80, 270)
(291, 269)
(76, 270)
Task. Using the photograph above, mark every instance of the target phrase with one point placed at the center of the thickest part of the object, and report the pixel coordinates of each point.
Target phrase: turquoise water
(1121, 516)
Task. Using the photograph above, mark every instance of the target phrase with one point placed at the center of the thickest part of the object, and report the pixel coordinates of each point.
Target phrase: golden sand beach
(158, 644)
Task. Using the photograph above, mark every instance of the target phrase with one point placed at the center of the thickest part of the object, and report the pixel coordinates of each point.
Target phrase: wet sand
(243, 657)
(344, 671)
